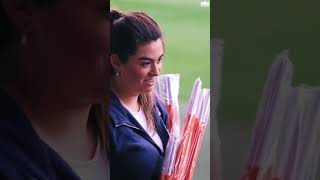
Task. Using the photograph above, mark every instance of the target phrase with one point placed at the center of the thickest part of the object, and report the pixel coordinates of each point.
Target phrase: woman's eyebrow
(160, 56)
(145, 58)
(150, 59)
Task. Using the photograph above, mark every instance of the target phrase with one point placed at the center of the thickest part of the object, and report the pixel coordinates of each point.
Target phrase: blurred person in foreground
(53, 74)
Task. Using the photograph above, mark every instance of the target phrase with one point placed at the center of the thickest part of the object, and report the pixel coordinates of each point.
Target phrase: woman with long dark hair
(53, 74)
(138, 119)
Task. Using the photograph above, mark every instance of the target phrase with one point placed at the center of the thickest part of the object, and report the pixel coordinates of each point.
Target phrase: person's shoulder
(17, 150)
(9, 152)
(5, 176)
(8, 167)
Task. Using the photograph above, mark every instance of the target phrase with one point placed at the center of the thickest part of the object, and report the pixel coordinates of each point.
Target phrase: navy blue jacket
(23, 155)
(134, 155)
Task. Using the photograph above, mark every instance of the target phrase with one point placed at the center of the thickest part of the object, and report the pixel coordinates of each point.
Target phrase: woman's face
(139, 74)
(69, 47)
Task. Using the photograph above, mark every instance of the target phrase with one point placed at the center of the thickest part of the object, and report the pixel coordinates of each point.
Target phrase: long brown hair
(99, 120)
(128, 32)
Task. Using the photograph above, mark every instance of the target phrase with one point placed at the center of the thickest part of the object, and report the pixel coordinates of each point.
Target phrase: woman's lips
(150, 81)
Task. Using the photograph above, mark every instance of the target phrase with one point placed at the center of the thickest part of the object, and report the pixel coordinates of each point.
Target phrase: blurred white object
(286, 138)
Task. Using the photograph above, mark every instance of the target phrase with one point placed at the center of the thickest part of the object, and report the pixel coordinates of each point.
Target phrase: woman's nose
(156, 69)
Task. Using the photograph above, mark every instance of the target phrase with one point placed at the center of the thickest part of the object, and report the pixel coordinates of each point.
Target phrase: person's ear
(115, 62)
(20, 13)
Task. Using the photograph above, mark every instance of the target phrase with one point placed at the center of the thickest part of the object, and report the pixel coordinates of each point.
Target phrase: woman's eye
(145, 63)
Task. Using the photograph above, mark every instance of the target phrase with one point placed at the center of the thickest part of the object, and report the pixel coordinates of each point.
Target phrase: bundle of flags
(286, 143)
(167, 88)
(184, 144)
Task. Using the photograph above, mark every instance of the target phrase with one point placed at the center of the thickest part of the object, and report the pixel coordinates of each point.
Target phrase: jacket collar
(120, 116)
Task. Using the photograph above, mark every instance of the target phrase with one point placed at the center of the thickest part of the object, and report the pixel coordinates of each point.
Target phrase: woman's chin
(148, 89)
